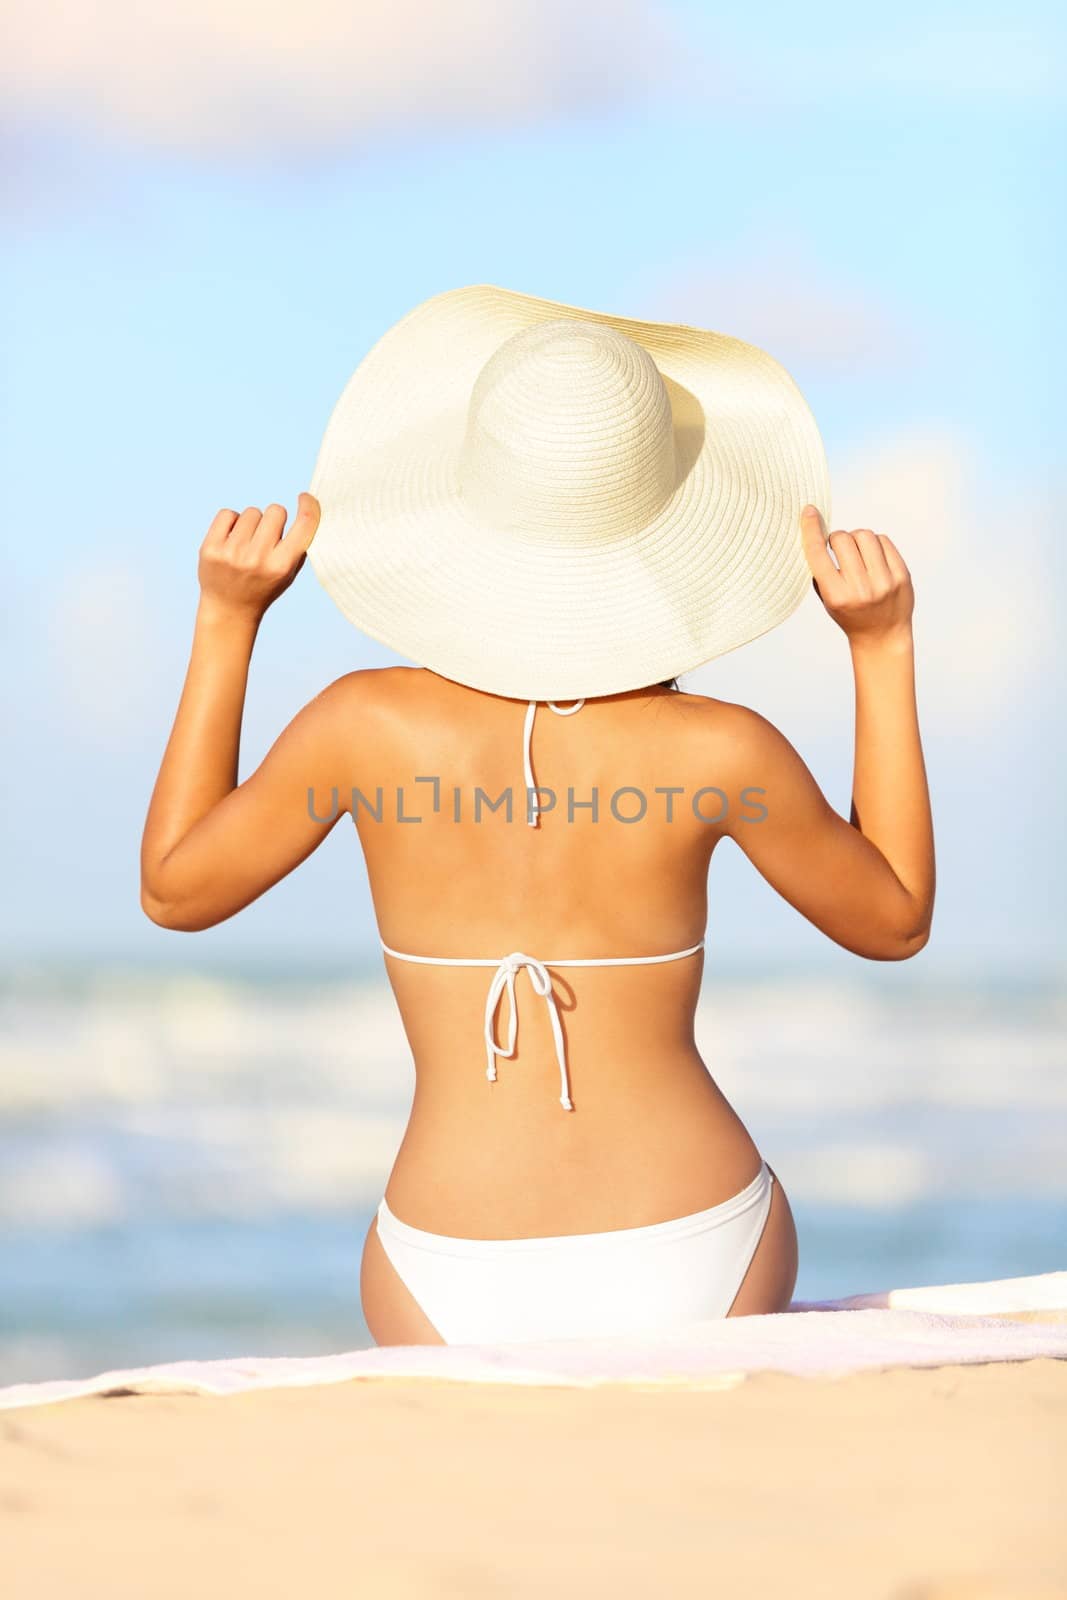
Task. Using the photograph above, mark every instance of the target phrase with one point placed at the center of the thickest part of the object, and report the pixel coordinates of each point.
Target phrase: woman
(556, 510)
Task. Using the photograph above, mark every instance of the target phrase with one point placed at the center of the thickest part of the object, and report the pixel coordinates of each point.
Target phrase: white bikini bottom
(571, 1286)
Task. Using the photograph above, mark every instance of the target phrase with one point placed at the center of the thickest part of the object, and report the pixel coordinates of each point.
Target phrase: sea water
(188, 1162)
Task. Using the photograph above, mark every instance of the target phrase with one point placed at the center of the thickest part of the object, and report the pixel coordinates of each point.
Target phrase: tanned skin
(651, 1136)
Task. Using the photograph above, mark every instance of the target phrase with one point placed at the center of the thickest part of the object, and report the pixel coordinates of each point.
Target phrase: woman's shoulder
(722, 730)
(396, 694)
(706, 716)
(370, 688)
(361, 706)
(381, 680)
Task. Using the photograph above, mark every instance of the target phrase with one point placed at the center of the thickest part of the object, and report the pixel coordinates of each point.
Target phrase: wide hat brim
(408, 561)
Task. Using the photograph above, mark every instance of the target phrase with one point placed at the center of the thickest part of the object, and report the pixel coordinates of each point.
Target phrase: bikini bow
(503, 981)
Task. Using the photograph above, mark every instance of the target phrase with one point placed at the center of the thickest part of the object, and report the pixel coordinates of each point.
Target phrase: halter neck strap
(533, 803)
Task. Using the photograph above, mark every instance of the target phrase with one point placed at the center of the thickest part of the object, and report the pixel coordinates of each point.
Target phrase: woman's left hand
(245, 563)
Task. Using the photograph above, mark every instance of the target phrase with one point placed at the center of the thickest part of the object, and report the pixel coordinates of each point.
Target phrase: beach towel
(1012, 1319)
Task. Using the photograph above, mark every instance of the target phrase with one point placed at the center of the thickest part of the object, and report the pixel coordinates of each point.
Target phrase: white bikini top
(509, 966)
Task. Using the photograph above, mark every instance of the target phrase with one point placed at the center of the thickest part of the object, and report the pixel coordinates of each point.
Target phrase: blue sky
(206, 229)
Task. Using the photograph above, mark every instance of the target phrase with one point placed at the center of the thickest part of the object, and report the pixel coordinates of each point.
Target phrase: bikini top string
(503, 983)
(533, 800)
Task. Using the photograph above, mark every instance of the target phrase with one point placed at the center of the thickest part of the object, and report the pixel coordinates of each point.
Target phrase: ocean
(188, 1161)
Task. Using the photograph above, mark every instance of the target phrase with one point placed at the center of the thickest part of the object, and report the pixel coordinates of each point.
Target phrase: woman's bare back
(651, 1136)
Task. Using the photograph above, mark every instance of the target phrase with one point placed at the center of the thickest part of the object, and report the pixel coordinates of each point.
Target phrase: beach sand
(943, 1484)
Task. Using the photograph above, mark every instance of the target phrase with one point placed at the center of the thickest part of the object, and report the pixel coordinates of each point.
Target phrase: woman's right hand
(246, 563)
(868, 592)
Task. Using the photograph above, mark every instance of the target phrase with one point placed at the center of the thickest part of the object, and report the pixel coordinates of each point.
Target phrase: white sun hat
(549, 503)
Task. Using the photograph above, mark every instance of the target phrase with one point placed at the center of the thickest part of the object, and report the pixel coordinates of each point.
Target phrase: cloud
(983, 617)
(255, 78)
(270, 80)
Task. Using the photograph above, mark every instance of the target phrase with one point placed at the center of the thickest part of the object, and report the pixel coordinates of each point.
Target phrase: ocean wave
(788, 1043)
(180, 1096)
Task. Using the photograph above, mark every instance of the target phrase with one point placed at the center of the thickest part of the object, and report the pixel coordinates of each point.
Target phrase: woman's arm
(209, 846)
(868, 883)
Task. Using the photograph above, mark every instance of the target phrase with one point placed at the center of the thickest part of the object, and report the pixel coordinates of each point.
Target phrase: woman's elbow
(888, 936)
(909, 946)
(901, 943)
(168, 914)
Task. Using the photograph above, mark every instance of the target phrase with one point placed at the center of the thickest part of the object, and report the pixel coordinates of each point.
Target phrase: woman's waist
(506, 1165)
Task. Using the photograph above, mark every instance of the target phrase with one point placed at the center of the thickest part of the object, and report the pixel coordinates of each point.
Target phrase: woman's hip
(639, 1280)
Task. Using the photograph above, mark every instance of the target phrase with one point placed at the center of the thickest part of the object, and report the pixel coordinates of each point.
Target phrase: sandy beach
(944, 1484)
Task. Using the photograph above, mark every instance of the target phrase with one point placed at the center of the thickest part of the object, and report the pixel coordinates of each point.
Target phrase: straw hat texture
(547, 502)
